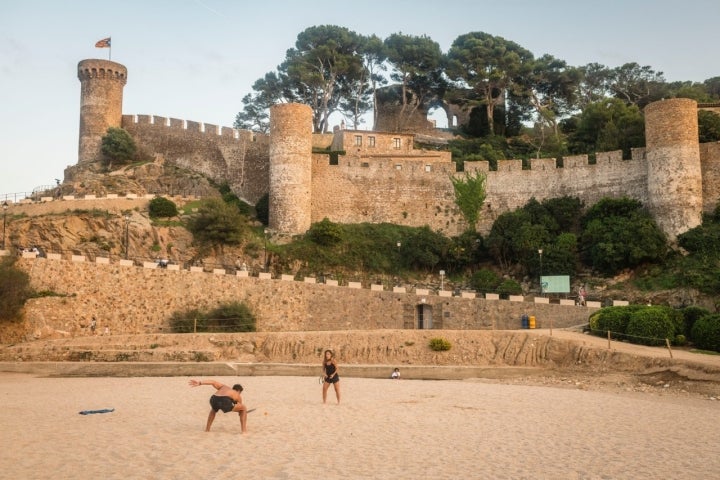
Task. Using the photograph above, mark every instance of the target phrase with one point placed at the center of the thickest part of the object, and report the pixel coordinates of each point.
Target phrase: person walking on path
(330, 371)
(226, 399)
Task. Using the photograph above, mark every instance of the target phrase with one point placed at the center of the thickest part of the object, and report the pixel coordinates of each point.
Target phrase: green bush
(118, 147)
(439, 344)
(185, 321)
(612, 319)
(509, 287)
(325, 233)
(231, 317)
(706, 332)
(161, 207)
(217, 222)
(14, 289)
(228, 317)
(691, 315)
(485, 280)
(650, 326)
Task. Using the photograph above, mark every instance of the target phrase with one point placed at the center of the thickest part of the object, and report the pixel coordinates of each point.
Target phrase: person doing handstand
(226, 399)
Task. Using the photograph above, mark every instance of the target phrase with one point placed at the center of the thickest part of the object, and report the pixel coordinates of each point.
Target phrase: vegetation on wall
(469, 196)
(118, 147)
(217, 222)
(161, 207)
(14, 289)
(225, 318)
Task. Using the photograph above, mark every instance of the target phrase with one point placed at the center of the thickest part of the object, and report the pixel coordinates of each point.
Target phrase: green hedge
(706, 332)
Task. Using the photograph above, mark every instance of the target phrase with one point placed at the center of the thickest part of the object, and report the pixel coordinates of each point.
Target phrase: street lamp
(442, 278)
(5, 207)
(541, 272)
(397, 273)
(265, 265)
(127, 234)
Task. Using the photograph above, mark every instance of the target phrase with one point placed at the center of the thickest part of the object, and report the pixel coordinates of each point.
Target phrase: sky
(197, 59)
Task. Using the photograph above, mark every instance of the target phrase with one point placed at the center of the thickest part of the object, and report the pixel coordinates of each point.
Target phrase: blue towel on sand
(104, 410)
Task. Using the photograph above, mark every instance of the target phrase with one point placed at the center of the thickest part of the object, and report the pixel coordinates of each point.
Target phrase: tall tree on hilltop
(417, 66)
(594, 84)
(488, 66)
(548, 88)
(255, 115)
(637, 85)
(359, 94)
(324, 62)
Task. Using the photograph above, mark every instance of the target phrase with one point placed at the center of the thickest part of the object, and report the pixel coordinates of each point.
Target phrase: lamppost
(265, 265)
(399, 244)
(541, 272)
(5, 207)
(442, 278)
(127, 234)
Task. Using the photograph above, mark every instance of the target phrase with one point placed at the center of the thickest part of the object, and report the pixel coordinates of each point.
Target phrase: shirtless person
(226, 399)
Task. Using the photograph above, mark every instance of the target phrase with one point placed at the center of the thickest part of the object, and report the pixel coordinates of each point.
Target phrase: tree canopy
(548, 107)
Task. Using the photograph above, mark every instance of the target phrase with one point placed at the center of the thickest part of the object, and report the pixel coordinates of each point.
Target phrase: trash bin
(524, 321)
(532, 322)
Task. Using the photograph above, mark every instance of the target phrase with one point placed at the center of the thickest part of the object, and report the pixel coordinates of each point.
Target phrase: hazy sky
(196, 59)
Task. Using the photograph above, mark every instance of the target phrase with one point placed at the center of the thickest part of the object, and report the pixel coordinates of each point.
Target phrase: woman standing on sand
(330, 372)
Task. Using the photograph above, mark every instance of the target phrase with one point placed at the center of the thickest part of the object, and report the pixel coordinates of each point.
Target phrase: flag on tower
(104, 43)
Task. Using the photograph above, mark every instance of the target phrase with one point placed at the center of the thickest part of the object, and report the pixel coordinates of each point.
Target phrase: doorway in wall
(424, 316)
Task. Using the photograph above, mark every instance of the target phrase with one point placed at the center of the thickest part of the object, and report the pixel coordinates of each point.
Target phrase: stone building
(354, 176)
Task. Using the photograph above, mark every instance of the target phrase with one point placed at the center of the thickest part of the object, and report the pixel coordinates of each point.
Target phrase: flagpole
(110, 50)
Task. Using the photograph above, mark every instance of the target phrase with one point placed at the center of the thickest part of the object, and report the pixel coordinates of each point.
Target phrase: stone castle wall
(384, 179)
(223, 154)
(150, 295)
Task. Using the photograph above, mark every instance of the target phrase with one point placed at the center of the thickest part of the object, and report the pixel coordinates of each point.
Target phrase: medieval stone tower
(675, 191)
(101, 94)
(290, 167)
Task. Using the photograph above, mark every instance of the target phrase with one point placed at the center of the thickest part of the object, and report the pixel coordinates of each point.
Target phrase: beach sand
(401, 429)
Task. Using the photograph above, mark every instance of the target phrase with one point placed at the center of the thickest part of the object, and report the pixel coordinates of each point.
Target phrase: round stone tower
(290, 167)
(101, 92)
(673, 160)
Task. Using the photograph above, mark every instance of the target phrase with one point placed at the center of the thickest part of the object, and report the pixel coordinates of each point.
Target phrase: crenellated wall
(151, 295)
(239, 157)
(419, 191)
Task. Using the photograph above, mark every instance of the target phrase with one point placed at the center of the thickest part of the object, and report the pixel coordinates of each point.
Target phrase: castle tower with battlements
(101, 94)
(674, 175)
(290, 167)
(356, 176)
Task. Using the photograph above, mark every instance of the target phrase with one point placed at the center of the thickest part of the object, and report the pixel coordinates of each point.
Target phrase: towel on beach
(104, 410)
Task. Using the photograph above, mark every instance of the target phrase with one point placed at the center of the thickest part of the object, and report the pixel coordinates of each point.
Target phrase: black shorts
(225, 404)
(334, 379)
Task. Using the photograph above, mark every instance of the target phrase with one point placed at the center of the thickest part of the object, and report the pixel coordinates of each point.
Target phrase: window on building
(397, 143)
(358, 140)
(428, 168)
(371, 141)
(398, 166)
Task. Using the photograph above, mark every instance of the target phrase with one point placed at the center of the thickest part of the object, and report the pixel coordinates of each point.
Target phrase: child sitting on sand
(395, 374)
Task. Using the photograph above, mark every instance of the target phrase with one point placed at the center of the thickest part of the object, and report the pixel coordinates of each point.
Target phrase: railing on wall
(40, 196)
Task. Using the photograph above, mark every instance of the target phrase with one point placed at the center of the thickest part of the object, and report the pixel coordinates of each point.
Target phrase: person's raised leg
(211, 417)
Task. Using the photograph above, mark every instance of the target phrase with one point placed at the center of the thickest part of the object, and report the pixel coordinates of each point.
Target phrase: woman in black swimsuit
(330, 372)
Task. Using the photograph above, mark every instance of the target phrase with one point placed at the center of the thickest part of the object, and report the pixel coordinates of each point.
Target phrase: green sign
(555, 284)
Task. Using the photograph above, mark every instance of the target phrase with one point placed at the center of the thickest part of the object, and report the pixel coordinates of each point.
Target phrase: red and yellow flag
(104, 43)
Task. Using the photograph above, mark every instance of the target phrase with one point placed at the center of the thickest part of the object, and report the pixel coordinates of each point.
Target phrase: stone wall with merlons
(133, 300)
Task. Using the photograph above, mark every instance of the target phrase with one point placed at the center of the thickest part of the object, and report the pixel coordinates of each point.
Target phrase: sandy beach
(407, 429)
